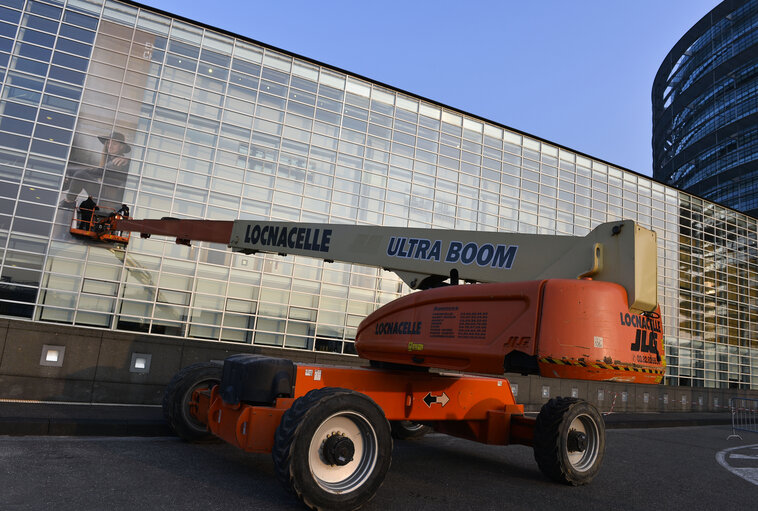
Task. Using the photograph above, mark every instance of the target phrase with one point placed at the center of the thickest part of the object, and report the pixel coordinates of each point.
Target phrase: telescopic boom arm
(621, 252)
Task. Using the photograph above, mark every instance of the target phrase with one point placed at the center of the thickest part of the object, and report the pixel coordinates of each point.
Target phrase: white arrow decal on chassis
(429, 399)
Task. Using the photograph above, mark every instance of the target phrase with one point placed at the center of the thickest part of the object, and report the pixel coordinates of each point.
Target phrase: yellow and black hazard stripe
(600, 365)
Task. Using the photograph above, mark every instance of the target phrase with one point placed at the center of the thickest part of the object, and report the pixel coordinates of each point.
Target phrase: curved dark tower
(705, 109)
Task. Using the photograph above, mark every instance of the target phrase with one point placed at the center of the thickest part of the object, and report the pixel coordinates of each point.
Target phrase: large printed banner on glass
(100, 162)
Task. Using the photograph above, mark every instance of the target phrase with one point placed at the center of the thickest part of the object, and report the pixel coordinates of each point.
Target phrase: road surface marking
(746, 457)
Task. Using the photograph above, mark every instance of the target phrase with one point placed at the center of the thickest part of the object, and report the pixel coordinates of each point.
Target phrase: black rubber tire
(406, 430)
(558, 420)
(178, 394)
(296, 443)
(182, 374)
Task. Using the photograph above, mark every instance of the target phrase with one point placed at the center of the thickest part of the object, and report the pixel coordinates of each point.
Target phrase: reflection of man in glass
(111, 174)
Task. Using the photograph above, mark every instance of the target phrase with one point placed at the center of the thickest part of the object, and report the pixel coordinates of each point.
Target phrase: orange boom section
(565, 328)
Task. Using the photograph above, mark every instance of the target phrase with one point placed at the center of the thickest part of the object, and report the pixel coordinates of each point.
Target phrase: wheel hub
(576, 441)
(338, 450)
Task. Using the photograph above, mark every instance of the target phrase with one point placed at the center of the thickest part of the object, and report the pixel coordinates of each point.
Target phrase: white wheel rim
(582, 461)
(348, 477)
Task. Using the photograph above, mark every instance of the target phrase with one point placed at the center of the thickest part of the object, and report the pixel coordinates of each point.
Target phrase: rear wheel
(569, 440)
(177, 399)
(405, 430)
(333, 448)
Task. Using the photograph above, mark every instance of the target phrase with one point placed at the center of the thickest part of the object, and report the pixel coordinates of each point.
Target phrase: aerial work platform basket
(99, 224)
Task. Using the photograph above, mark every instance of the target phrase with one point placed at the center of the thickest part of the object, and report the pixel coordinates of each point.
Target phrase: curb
(83, 427)
(76, 419)
(135, 421)
(664, 422)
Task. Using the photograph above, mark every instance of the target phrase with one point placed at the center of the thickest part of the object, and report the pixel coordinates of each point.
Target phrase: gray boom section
(620, 252)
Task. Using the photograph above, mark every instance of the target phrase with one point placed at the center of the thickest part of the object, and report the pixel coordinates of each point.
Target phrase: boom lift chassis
(330, 429)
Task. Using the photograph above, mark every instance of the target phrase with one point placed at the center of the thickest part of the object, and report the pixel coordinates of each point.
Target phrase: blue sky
(577, 73)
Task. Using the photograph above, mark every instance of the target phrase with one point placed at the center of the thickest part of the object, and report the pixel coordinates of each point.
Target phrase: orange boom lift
(559, 306)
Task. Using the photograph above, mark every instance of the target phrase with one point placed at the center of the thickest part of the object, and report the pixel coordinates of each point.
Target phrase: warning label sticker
(450, 323)
(443, 321)
(473, 325)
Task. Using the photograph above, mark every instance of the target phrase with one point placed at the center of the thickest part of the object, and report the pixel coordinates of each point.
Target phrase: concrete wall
(97, 368)
(97, 364)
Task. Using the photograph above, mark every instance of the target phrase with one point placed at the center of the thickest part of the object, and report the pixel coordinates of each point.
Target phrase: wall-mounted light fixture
(140, 363)
(52, 356)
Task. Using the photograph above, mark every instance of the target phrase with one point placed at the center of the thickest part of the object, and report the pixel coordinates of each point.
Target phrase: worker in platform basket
(86, 209)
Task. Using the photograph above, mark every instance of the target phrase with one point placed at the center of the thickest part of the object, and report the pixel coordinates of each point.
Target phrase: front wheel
(333, 448)
(569, 440)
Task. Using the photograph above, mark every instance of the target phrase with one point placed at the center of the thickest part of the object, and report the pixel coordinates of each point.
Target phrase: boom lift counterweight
(569, 307)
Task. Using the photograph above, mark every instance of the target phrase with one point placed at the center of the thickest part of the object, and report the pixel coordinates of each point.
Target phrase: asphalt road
(666, 468)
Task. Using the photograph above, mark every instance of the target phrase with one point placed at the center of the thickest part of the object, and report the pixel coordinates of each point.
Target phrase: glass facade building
(705, 109)
(133, 106)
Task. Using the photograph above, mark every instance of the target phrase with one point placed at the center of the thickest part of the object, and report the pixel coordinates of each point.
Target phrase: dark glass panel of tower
(705, 109)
